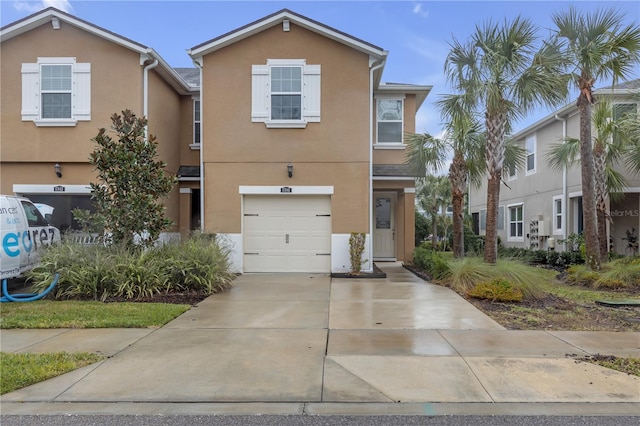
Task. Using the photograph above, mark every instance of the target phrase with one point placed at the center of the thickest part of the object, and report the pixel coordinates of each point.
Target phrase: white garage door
(287, 233)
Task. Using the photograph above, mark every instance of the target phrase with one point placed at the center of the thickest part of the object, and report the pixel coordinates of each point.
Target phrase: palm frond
(564, 154)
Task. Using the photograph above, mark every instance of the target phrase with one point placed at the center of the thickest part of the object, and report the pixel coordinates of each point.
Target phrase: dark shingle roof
(189, 172)
(190, 75)
(392, 170)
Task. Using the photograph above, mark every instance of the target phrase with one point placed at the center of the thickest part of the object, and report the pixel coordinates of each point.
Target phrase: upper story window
(285, 93)
(512, 173)
(56, 92)
(196, 122)
(622, 110)
(389, 119)
(531, 154)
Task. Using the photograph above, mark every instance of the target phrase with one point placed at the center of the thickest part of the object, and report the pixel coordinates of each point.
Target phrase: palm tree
(608, 154)
(465, 139)
(596, 46)
(434, 195)
(502, 72)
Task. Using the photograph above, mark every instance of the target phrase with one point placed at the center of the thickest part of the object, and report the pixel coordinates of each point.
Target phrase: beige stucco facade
(333, 154)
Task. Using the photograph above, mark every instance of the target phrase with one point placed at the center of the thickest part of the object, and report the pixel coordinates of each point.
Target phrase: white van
(23, 230)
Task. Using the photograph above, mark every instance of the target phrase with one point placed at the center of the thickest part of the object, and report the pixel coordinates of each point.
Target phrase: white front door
(287, 233)
(384, 227)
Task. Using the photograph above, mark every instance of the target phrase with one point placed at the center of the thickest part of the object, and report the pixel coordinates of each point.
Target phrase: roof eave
(420, 91)
(45, 16)
(275, 19)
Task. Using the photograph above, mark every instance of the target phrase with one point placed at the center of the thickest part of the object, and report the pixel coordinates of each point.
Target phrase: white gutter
(371, 123)
(565, 200)
(145, 95)
(199, 66)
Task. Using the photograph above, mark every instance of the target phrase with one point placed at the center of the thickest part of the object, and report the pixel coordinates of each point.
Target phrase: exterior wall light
(58, 170)
(290, 169)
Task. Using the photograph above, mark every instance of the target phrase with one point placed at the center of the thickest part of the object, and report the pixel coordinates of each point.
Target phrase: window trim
(310, 97)
(32, 92)
(390, 145)
(509, 221)
(533, 153)
(556, 199)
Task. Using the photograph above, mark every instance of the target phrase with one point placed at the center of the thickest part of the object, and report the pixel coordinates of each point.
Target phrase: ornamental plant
(131, 182)
(356, 249)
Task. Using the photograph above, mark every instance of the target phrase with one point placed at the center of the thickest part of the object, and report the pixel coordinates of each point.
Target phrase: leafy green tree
(131, 182)
(596, 46)
(502, 73)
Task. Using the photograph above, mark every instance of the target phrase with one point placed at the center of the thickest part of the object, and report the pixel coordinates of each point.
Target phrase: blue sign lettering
(9, 242)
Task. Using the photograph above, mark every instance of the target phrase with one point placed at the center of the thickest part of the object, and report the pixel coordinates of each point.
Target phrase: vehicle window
(33, 214)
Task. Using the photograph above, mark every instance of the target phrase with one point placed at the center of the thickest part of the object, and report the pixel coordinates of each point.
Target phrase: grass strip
(21, 370)
(625, 365)
(78, 314)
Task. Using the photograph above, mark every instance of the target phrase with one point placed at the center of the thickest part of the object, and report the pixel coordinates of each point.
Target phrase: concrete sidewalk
(289, 344)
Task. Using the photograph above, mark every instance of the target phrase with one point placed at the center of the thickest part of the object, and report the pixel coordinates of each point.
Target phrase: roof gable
(55, 16)
(276, 19)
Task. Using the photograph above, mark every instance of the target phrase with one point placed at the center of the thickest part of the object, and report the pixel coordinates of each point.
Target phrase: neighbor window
(557, 214)
(516, 223)
(56, 92)
(531, 154)
(389, 119)
(285, 93)
(622, 110)
(196, 122)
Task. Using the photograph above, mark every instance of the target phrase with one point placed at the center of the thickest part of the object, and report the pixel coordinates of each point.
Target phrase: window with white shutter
(285, 93)
(56, 92)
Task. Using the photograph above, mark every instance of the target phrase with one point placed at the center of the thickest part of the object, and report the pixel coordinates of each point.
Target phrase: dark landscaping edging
(377, 273)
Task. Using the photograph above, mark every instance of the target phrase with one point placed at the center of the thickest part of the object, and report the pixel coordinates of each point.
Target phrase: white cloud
(36, 6)
(418, 10)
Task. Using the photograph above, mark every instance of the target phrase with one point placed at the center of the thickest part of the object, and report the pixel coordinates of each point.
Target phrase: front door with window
(384, 226)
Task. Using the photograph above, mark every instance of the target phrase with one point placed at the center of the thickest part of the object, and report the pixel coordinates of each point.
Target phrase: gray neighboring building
(540, 206)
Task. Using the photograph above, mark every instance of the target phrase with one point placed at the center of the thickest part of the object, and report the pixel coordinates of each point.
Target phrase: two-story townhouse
(302, 145)
(62, 78)
(283, 138)
(541, 206)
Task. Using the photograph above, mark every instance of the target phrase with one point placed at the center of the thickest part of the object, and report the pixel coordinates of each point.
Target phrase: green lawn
(76, 314)
(21, 370)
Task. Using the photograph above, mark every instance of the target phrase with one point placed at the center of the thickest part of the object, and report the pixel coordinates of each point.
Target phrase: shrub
(431, 262)
(470, 271)
(581, 275)
(199, 264)
(473, 244)
(356, 248)
(497, 290)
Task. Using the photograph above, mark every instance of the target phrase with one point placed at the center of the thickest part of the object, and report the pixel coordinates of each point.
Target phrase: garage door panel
(287, 233)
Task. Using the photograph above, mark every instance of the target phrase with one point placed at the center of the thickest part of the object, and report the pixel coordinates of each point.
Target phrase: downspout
(371, 124)
(199, 66)
(565, 201)
(145, 95)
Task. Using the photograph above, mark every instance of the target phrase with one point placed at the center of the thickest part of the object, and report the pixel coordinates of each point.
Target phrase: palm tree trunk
(588, 183)
(458, 180)
(495, 126)
(599, 161)
(491, 237)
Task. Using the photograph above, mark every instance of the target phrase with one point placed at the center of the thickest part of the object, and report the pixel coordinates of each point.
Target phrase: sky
(416, 33)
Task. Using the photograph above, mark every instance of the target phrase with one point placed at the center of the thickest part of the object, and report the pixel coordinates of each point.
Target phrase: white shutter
(82, 91)
(311, 102)
(260, 93)
(30, 92)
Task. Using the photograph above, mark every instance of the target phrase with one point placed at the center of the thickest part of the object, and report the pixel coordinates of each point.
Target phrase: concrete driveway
(313, 339)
